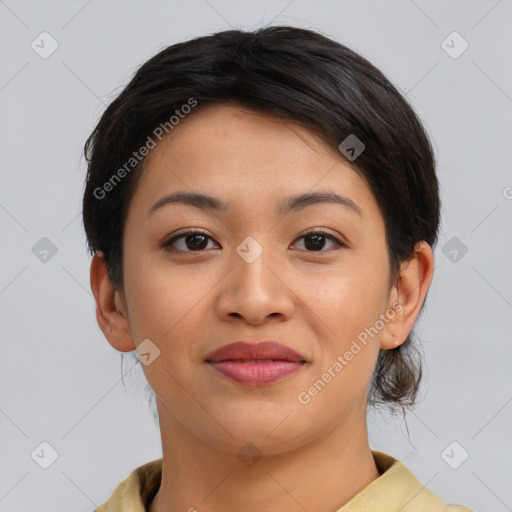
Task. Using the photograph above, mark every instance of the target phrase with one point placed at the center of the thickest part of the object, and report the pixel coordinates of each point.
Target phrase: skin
(189, 302)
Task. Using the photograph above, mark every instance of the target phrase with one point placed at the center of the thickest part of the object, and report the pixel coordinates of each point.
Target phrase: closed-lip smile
(255, 364)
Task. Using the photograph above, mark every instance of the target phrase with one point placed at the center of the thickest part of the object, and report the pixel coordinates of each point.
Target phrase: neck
(322, 475)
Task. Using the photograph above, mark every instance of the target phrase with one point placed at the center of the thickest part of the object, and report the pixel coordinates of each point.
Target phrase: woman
(261, 208)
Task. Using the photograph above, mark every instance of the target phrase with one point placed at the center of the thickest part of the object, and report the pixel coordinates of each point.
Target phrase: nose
(254, 291)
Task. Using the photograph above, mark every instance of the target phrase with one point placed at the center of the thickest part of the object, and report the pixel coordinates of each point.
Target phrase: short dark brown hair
(297, 75)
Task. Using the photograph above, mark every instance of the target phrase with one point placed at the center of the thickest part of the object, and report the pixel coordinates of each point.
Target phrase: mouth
(255, 364)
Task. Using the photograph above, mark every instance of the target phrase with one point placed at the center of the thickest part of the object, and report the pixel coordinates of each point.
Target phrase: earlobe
(110, 313)
(409, 292)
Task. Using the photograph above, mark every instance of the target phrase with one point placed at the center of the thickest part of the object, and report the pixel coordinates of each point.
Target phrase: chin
(270, 435)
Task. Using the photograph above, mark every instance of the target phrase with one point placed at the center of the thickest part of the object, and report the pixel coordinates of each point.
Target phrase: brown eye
(315, 241)
(190, 241)
(196, 241)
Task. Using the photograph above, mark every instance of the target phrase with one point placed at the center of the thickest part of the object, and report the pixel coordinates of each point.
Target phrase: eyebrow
(293, 203)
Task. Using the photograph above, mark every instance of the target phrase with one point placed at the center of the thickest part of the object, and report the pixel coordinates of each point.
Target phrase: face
(312, 275)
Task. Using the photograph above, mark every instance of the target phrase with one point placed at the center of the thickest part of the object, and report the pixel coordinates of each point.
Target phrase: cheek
(353, 300)
(347, 354)
(165, 302)
(350, 305)
(167, 309)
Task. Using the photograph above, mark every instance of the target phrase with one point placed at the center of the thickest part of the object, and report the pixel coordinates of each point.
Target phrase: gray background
(60, 379)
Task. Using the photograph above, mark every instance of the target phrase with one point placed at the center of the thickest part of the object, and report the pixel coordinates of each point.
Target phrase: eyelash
(315, 231)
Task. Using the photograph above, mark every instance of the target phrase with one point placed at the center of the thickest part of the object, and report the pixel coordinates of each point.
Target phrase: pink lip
(255, 364)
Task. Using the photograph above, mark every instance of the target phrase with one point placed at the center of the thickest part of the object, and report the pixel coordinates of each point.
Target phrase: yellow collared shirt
(395, 490)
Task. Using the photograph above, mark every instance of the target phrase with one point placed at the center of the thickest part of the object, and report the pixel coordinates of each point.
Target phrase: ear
(407, 296)
(110, 309)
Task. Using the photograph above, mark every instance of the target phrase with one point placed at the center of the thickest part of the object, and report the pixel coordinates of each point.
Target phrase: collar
(396, 489)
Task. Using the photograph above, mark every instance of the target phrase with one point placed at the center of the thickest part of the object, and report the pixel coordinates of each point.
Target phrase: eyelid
(190, 231)
(338, 240)
(184, 232)
(321, 231)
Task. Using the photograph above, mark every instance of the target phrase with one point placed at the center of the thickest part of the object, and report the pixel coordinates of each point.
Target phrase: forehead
(232, 152)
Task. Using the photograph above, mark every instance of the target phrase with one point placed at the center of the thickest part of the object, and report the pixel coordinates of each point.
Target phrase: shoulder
(397, 489)
(135, 492)
(416, 496)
